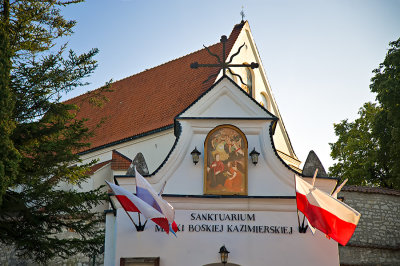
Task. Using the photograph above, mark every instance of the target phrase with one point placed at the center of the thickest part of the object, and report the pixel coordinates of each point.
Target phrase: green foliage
(42, 136)
(356, 149)
(386, 83)
(368, 149)
(9, 156)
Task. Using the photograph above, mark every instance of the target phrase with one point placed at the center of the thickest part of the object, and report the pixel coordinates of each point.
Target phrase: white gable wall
(271, 191)
(223, 101)
(269, 177)
(270, 200)
(246, 249)
(155, 147)
(187, 178)
(248, 54)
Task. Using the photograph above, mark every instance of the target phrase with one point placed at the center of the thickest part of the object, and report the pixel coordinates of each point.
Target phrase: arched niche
(248, 79)
(265, 101)
(225, 161)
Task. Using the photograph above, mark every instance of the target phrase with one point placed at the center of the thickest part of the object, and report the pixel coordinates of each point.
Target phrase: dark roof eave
(157, 130)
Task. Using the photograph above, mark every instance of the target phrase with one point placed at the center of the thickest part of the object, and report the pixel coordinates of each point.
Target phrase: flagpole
(315, 175)
(162, 189)
(134, 169)
(130, 218)
(304, 218)
(300, 228)
(122, 206)
(337, 190)
(298, 218)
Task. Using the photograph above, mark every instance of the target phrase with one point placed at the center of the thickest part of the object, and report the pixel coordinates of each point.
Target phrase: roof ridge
(163, 81)
(170, 61)
(94, 168)
(143, 71)
(178, 58)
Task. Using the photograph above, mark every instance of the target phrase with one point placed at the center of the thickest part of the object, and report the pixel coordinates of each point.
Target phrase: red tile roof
(97, 166)
(151, 99)
(119, 161)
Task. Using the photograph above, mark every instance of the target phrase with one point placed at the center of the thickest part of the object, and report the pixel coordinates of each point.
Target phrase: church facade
(226, 199)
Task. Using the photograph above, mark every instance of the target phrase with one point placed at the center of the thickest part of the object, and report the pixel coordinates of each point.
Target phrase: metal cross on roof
(222, 64)
(242, 14)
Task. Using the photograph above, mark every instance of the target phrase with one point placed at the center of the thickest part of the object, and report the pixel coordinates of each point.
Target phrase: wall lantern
(254, 156)
(195, 155)
(224, 254)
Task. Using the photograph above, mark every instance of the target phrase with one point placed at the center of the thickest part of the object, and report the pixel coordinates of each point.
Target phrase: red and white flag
(131, 203)
(147, 193)
(329, 215)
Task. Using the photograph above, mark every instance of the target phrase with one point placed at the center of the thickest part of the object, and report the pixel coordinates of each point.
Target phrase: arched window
(249, 81)
(264, 100)
(225, 161)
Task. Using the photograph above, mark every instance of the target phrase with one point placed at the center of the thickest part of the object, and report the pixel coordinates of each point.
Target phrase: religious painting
(225, 167)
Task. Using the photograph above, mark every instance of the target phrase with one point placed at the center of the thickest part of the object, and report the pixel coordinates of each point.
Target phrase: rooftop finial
(242, 14)
(222, 64)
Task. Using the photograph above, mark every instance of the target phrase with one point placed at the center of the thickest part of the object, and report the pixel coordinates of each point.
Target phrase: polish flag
(173, 228)
(131, 203)
(147, 193)
(329, 215)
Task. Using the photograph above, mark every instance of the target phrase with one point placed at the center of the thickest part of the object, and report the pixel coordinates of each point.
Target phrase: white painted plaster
(200, 248)
(271, 188)
(110, 239)
(154, 148)
(249, 54)
(225, 100)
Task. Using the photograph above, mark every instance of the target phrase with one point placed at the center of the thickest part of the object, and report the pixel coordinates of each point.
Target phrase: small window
(247, 79)
(264, 101)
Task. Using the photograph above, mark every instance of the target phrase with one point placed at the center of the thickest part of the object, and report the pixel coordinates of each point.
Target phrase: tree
(9, 156)
(40, 171)
(368, 149)
(386, 127)
(356, 149)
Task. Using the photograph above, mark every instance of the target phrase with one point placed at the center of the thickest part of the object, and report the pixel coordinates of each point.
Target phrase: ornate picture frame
(225, 161)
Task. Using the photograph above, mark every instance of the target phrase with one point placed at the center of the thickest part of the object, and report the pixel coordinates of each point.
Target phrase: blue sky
(318, 55)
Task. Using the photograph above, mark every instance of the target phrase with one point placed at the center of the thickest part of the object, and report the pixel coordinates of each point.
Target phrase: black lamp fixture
(195, 155)
(254, 156)
(223, 252)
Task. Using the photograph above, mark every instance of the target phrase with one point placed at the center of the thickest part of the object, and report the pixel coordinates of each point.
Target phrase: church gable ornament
(227, 65)
(225, 161)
